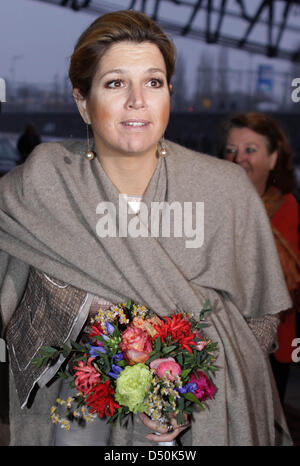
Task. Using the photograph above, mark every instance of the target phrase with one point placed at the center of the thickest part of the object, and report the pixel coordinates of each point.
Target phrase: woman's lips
(135, 124)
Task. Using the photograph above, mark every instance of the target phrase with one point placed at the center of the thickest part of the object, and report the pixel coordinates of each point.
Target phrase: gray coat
(48, 217)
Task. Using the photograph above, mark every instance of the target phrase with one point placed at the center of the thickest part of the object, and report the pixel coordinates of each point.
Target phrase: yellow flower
(54, 418)
(65, 424)
(60, 401)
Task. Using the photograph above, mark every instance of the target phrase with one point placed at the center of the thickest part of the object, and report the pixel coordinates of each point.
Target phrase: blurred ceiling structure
(266, 27)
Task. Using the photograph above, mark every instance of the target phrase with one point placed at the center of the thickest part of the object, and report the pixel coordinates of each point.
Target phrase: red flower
(85, 376)
(179, 329)
(97, 331)
(101, 400)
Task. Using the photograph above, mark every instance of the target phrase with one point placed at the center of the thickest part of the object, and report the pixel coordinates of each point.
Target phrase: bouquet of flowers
(135, 362)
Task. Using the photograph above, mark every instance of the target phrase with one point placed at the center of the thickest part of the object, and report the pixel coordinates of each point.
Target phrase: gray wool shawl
(48, 219)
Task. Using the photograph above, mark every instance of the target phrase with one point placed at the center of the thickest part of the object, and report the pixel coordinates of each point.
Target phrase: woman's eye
(154, 82)
(230, 150)
(116, 84)
(250, 150)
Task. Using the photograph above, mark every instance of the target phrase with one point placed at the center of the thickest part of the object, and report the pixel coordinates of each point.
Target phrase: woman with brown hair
(258, 144)
(58, 266)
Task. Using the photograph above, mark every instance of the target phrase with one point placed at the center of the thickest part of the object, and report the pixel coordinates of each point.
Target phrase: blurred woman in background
(258, 144)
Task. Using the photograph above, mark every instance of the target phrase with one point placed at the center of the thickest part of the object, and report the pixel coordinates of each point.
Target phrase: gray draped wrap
(48, 218)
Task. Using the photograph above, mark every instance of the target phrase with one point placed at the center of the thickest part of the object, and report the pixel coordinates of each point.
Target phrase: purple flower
(95, 350)
(105, 337)
(110, 328)
(116, 371)
(118, 356)
(189, 387)
(182, 390)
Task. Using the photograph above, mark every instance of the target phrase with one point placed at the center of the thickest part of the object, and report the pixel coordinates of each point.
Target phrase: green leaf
(157, 344)
(168, 409)
(48, 350)
(168, 349)
(180, 418)
(207, 305)
(180, 403)
(46, 354)
(38, 362)
(72, 383)
(206, 309)
(202, 325)
(116, 332)
(66, 350)
(81, 358)
(191, 397)
(180, 359)
(77, 346)
(188, 410)
(213, 368)
(185, 373)
(122, 363)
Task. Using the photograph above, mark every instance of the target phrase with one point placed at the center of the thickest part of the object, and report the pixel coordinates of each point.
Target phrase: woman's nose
(136, 97)
(239, 156)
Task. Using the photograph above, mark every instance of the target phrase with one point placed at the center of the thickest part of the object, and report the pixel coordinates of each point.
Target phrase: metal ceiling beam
(209, 7)
(189, 23)
(220, 19)
(252, 22)
(271, 49)
(283, 23)
(272, 46)
(76, 5)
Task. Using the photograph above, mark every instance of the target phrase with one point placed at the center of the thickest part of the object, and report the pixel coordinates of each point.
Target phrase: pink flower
(154, 364)
(136, 345)
(86, 376)
(201, 344)
(205, 389)
(166, 367)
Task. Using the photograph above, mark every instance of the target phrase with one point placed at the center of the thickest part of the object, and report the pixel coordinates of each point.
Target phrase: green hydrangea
(132, 386)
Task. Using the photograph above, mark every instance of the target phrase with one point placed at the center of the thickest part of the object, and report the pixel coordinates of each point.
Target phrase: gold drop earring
(90, 154)
(162, 148)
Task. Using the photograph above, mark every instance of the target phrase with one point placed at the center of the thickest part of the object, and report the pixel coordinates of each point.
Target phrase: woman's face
(249, 150)
(129, 103)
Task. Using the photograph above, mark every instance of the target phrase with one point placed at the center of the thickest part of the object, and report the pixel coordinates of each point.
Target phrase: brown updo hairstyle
(283, 176)
(109, 29)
